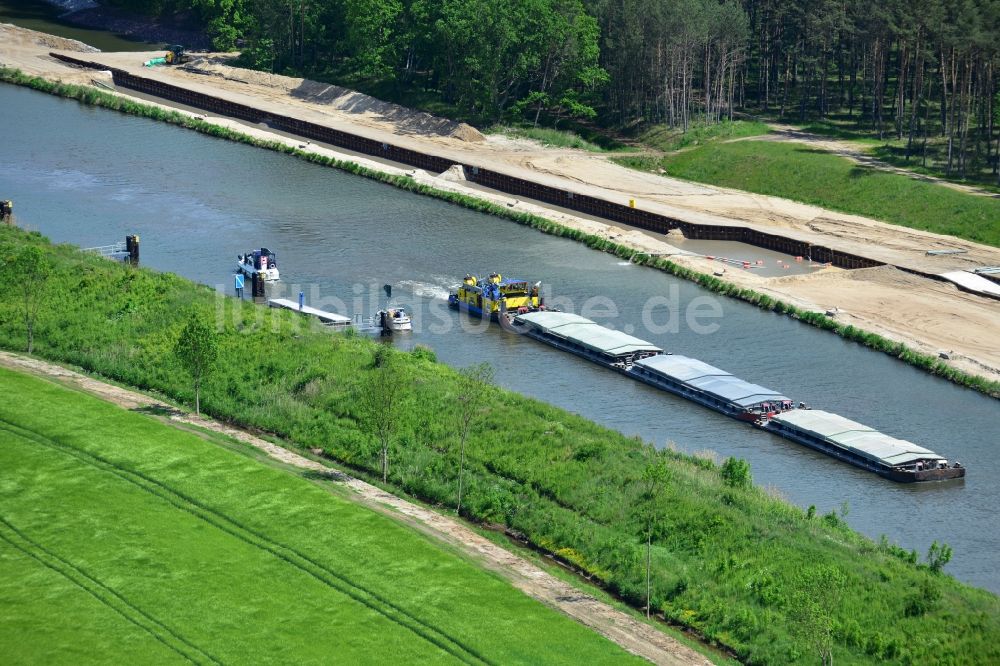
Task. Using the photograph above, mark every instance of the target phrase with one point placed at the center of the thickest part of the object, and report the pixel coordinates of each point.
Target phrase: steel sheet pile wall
(493, 179)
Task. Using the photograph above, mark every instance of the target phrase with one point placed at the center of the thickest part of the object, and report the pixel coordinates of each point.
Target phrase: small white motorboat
(261, 261)
(394, 319)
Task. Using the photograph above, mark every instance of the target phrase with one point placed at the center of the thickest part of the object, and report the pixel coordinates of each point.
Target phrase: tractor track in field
(631, 634)
(104, 594)
(287, 554)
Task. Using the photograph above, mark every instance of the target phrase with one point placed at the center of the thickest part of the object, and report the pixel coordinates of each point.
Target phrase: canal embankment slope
(564, 484)
(898, 302)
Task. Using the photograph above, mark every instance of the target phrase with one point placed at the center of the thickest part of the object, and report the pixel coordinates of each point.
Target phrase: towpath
(632, 635)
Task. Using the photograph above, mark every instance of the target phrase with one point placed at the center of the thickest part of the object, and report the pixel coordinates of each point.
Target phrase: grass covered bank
(124, 540)
(930, 363)
(801, 173)
(670, 139)
(729, 561)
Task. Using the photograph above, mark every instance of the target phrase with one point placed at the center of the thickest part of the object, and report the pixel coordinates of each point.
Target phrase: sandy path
(921, 313)
(632, 635)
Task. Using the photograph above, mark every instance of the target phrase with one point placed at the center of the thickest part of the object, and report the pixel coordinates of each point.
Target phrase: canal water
(44, 17)
(90, 177)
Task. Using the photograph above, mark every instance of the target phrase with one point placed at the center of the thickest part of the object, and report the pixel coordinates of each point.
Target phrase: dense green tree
(380, 403)
(371, 37)
(28, 270)
(913, 71)
(197, 349)
(488, 55)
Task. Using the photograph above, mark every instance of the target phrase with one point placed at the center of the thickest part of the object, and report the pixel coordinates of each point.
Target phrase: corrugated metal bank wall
(499, 181)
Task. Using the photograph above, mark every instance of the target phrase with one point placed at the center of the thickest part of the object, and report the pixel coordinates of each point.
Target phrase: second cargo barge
(843, 439)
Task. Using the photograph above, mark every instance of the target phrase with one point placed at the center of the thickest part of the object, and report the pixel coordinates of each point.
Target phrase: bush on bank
(94, 97)
(729, 561)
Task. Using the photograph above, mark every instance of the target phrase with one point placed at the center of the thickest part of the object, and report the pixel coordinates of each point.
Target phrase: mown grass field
(124, 540)
(812, 176)
(727, 561)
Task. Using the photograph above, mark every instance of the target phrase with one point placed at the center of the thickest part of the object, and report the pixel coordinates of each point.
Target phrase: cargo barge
(852, 442)
(583, 337)
(711, 387)
(716, 389)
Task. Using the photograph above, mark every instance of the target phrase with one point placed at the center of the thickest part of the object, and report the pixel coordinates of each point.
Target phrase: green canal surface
(89, 177)
(41, 16)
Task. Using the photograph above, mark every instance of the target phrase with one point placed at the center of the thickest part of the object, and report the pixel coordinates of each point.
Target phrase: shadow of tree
(331, 475)
(157, 409)
(860, 171)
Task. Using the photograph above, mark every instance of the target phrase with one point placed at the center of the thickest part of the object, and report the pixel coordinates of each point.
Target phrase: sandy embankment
(925, 314)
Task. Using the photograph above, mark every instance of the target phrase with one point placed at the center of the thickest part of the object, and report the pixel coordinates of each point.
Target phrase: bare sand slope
(923, 313)
(335, 98)
(28, 51)
(938, 312)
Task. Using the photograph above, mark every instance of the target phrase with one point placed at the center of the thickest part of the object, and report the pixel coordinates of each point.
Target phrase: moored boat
(261, 261)
(395, 318)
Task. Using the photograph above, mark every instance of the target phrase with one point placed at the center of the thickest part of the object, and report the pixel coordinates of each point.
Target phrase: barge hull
(865, 464)
(552, 342)
(471, 310)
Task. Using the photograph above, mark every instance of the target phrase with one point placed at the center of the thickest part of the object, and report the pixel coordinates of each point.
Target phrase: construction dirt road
(928, 315)
(632, 635)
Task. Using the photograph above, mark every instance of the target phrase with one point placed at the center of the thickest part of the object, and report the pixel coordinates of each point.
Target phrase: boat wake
(426, 289)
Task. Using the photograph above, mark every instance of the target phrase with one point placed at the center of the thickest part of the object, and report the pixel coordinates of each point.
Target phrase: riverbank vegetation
(927, 362)
(727, 559)
(798, 172)
(154, 544)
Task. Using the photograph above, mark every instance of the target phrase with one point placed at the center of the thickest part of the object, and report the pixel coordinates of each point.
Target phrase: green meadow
(801, 173)
(124, 540)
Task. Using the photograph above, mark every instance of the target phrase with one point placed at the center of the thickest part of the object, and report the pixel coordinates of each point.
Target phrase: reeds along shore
(929, 363)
